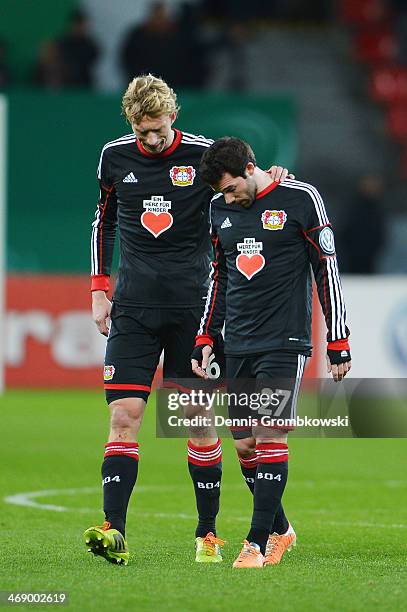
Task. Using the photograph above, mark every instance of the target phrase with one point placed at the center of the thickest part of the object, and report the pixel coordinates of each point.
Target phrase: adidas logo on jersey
(130, 178)
(226, 223)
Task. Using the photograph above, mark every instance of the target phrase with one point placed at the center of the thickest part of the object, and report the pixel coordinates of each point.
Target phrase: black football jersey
(160, 206)
(261, 282)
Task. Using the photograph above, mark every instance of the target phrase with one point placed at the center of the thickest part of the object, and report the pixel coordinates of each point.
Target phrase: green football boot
(107, 543)
(208, 549)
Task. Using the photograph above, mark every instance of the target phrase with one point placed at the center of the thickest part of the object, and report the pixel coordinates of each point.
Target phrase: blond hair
(148, 95)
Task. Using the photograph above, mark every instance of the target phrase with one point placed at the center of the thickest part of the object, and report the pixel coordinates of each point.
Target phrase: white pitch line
(363, 524)
(29, 500)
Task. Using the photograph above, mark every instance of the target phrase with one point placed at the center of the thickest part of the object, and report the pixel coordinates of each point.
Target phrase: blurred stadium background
(318, 87)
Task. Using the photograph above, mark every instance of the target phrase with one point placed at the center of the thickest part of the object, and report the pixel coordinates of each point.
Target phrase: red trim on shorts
(168, 384)
(128, 387)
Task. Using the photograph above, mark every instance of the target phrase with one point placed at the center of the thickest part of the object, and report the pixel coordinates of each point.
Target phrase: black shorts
(276, 374)
(136, 339)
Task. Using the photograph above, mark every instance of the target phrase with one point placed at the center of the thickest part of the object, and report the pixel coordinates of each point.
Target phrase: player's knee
(198, 440)
(246, 447)
(126, 416)
(279, 436)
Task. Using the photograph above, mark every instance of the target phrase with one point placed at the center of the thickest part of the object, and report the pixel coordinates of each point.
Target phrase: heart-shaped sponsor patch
(156, 223)
(249, 265)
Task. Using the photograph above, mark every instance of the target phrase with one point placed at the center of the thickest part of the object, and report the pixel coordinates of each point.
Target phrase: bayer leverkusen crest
(108, 372)
(274, 219)
(182, 176)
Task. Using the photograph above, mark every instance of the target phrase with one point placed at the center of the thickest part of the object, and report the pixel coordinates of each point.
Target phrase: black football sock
(280, 524)
(248, 466)
(205, 467)
(119, 474)
(271, 478)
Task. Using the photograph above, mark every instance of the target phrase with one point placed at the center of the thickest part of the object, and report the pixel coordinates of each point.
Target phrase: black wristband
(337, 357)
(197, 352)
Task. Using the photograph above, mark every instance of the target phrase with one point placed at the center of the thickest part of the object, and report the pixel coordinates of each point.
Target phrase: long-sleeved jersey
(261, 283)
(160, 206)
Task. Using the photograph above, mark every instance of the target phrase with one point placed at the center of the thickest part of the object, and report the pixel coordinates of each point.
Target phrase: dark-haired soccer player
(150, 189)
(266, 238)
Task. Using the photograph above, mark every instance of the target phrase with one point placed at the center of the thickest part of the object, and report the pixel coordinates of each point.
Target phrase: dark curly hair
(228, 154)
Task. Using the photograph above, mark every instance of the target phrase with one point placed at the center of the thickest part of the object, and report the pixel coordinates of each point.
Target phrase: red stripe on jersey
(128, 387)
(108, 192)
(171, 149)
(216, 281)
(317, 227)
(312, 242)
(267, 190)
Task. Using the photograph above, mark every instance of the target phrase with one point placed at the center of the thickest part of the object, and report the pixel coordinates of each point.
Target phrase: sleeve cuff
(339, 345)
(100, 282)
(203, 339)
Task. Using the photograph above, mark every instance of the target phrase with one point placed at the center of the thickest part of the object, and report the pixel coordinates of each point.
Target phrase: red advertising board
(51, 340)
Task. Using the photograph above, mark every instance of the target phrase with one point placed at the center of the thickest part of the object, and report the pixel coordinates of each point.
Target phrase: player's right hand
(200, 358)
(338, 359)
(101, 308)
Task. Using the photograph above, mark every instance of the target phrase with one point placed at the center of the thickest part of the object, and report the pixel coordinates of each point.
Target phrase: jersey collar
(171, 149)
(267, 190)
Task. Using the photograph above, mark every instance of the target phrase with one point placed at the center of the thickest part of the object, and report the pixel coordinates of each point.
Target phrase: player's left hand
(199, 360)
(278, 174)
(338, 370)
(338, 358)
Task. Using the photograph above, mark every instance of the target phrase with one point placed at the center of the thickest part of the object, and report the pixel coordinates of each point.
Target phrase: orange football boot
(278, 544)
(250, 556)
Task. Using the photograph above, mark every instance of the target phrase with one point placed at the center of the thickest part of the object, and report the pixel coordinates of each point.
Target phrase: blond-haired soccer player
(151, 191)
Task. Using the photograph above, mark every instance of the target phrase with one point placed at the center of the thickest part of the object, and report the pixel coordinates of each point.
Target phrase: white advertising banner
(377, 317)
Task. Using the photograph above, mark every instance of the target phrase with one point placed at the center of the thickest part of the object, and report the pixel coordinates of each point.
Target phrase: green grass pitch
(346, 498)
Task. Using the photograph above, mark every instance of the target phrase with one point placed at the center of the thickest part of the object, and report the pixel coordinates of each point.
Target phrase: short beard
(248, 203)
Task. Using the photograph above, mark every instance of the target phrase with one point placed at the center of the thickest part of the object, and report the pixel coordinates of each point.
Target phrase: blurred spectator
(399, 8)
(236, 37)
(78, 52)
(166, 47)
(364, 227)
(290, 10)
(194, 46)
(4, 71)
(49, 70)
